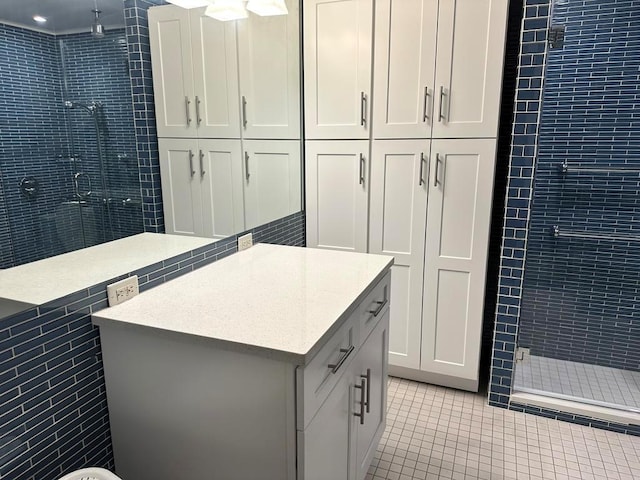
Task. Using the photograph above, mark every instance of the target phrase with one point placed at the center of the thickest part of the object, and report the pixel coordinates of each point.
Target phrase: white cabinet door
(337, 185)
(215, 69)
(269, 58)
(458, 220)
(337, 68)
(171, 64)
(405, 58)
(220, 176)
(399, 187)
(471, 40)
(371, 366)
(326, 440)
(180, 186)
(272, 186)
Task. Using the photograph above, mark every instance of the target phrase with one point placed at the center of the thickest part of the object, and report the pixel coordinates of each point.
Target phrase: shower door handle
(187, 104)
(76, 177)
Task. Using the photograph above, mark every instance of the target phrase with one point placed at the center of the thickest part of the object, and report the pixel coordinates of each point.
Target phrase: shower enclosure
(69, 176)
(579, 331)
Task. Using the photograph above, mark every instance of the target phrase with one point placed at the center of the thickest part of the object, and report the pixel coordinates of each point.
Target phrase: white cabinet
(202, 186)
(195, 74)
(337, 186)
(272, 185)
(451, 92)
(457, 240)
(337, 68)
(471, 40)
(405, 60)
(269, 65)
(398, 211)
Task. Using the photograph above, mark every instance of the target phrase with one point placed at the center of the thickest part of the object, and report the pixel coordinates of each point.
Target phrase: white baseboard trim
(434, 378)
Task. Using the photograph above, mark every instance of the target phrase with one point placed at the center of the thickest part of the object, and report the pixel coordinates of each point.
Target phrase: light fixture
(190, 3)
(97, 29)
(39, 19)
(267, 8)
(226, 10)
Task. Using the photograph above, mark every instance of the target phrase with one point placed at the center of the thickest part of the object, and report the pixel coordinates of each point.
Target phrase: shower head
(97, 29)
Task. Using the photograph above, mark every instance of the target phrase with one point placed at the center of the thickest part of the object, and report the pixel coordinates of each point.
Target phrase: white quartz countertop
(40, 282)
(271, 299)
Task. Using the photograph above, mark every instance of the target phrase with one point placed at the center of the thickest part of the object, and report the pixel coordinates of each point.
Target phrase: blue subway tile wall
(6, 252)
(580, 295)
(53, 411)
(32, 139)
(518, 199)
(533, 57)
(137, 29)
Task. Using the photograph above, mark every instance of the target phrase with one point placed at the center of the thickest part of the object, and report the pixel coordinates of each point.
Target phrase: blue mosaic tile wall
(53, 411)
(580, 295)
(137, 27)
(6, 252)
(533, 52)
(32, 136)
(97, 70)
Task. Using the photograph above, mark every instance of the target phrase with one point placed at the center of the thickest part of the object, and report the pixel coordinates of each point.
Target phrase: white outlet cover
(245, 241)
(130, 292)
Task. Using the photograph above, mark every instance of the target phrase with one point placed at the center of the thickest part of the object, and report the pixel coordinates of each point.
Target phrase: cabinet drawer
(374, 306)
(325, 369)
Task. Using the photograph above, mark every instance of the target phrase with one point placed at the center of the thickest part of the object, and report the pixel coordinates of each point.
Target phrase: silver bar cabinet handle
(435, 177)
(362, 400)
(246, 165)
(425, 105)
(345, 353)
(422, 162)
(367, 377)
(193, 172)
(202, 172)
(381, 306)
(443, 94)
(362, 165)
(244, 111)
(363, 109)
(198, 118)
(187, 102)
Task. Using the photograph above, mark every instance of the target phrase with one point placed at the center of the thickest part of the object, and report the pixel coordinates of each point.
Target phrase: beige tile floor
(435, 432)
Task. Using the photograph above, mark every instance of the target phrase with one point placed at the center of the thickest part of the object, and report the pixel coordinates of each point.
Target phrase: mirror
(77, 170)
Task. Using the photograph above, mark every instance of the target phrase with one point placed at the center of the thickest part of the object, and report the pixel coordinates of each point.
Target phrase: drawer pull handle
(362, 401)
(345, 353)
(367, 377)
(381, 305)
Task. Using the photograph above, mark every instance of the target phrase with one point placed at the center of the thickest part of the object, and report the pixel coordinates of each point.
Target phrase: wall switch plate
(123, 290)
(245, 242)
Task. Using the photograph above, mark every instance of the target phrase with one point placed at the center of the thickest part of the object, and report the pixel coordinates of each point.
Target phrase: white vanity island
(269, 364)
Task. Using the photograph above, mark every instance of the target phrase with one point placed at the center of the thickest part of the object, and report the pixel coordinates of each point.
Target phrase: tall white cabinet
(428, 138)
(227, 97)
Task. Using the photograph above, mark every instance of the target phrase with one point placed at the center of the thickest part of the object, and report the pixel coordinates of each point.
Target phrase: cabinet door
(337, 68)
(269, 59)
(471, 39)
(215, 71)
(337, 184)
(171, 65)
(399, 187)
(272, 185)
(458, 220)
(327, 439)
(220, 175)
(405, 58)
(180, 186)
(372, 368)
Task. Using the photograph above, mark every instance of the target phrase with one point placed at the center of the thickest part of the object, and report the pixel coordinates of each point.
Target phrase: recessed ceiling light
(39, 19)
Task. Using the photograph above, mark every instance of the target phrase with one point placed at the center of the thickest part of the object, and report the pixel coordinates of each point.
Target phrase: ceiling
(63, 16)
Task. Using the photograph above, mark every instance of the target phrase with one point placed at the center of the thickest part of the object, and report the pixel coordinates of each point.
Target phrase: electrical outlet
(123, 290)
(245, 242)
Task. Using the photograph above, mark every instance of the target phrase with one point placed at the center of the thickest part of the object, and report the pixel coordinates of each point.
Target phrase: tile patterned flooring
(436, 432)
(602, 384)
